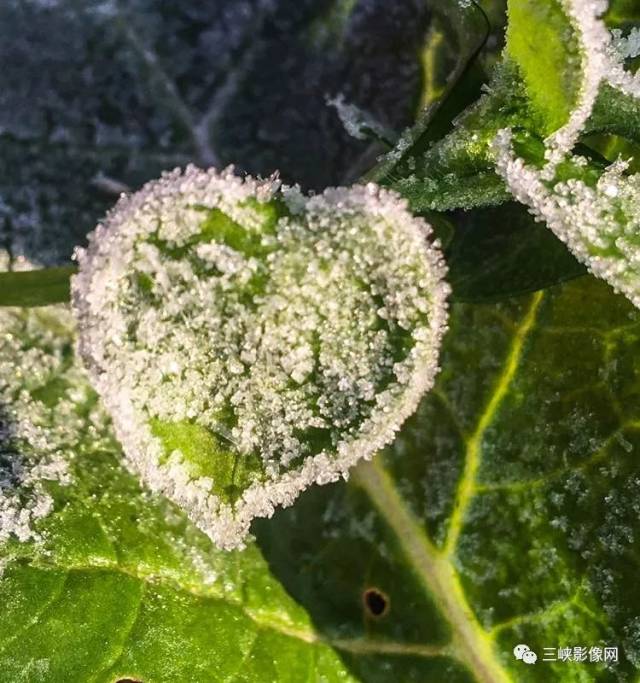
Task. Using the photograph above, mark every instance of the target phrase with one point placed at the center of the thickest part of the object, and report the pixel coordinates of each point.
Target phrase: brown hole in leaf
(375, 602)
(127, 680)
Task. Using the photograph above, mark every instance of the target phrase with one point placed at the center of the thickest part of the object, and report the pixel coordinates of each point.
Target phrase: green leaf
(470, 538)
(249, 342)
(36, 287)
(501, 252)
(111, 582)
(510, 497)
(458, 171)
(542, 41)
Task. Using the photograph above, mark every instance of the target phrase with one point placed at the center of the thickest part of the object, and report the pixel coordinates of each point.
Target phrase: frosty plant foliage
(382, 431)
(249, 341)
(595, 211)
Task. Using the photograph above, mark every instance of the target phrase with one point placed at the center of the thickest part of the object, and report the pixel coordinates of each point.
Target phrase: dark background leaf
(499, 252)
(100, 96)
(512, 493)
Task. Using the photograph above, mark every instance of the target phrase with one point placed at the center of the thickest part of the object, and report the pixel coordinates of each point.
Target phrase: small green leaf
(249, 341)
(36, 287)
(460, 29)
(458, 171)
(542, 41)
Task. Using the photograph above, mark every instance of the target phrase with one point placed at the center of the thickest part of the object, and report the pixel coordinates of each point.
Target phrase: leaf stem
(470, 643)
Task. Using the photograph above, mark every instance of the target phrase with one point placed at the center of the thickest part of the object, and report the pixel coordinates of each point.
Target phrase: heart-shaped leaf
(249, 341)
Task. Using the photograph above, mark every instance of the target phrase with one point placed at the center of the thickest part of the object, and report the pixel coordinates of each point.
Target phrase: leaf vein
(466, 486)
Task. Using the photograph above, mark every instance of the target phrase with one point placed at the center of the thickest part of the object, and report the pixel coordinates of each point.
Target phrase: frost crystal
(595, 42)
(618, 50)
(249, 341)
(599, 220)
(358, 123)
(627, 47)
(596, 214)
(39, 416)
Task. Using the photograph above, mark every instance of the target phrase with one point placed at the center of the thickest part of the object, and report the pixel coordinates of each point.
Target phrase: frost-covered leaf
(578, 74)
(99, 96)
(249, 341)
(560, 79)
(556, 38)
(102, 581)
(512, 493)
(595, 211)
(544, 41)
(597, 214)
(458, 30)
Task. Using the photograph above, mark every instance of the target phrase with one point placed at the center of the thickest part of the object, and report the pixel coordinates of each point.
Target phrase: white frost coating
(595, 42)
(327, 320)
(35, 437)
(600, 224)
(599, 221)
(622, 79)
(626, 47)
(622, 48)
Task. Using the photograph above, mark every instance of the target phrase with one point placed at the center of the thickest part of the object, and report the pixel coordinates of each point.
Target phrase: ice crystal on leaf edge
(249, 341)
(598, 220)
